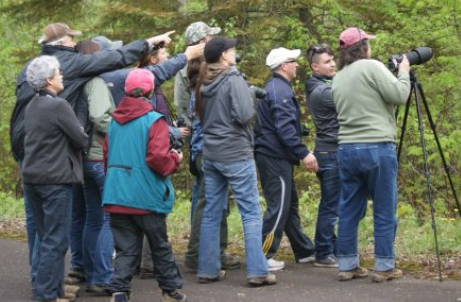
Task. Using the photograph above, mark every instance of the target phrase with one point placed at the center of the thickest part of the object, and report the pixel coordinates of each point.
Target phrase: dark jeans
(191, 257)
(77, 227)
(52, 209)
(128, 231)
(33, 241)
(328, 174)
(279, 189)
(97, 241)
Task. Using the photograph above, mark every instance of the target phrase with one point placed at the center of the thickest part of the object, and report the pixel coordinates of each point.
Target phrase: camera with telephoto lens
(417, 56)
(255, 92)
(177, 143)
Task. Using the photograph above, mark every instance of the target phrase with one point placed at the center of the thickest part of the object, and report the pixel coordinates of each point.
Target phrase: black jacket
(278, 127)
(321, 107)
(77, 69)
(53, 142)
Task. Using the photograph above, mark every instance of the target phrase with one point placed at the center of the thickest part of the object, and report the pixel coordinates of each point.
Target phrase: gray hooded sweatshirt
(227, 118)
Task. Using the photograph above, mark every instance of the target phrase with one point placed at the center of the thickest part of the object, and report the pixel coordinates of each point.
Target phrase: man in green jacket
(365, 94)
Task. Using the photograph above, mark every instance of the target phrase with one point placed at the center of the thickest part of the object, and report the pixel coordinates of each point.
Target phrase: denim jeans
(76, 229)
(33, 241)
(98, 242)
(241, 177)
(367, 170)
(52, 209)
(328, 175)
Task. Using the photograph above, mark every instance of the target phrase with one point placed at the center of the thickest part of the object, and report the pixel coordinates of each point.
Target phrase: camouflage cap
(198, 31)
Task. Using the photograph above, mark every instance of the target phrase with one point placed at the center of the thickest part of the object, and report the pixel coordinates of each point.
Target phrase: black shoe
(328, 261)
(97, 289)
(229, 262)
(173, 296)
(120, 297)
(77, 273)
(221, 276)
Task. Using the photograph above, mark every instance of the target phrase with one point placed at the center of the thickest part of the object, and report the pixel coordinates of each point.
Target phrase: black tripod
(416, 89)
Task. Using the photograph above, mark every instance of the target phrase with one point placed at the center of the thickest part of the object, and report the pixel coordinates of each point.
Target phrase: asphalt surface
(298, 282)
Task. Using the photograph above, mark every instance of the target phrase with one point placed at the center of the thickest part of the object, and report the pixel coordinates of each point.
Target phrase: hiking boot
(146, 274)
(71, 280)
(77, 273)
(73, 289)
(379, 277)
(274, 265)
(229, 262)
(221, 276)
(57, 300)
(329, 261)
(270, 279)
(358, 272)
(69, 296)
(119, 297)
(97, 289)
(309, 259)
(173, 296)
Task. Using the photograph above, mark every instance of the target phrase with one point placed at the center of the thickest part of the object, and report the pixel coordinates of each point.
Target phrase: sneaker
(146, 274)
(270, 279)
(275, 265)
(119, 297)
(57, 300)
(379, 277)
(173, 296)
(221, 276)
(229, 262)
(309, 259)
(329, 261)
(358, 272)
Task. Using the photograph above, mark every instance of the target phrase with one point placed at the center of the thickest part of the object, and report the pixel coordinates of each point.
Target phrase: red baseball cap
(139, 78)
(353, 35)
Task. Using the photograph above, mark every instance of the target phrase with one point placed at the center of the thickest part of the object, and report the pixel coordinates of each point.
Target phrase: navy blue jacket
(115, 80)
(278, 128)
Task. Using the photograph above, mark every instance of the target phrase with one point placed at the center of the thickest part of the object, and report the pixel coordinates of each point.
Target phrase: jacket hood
(211, 88)
(314, 81)
(131, 108)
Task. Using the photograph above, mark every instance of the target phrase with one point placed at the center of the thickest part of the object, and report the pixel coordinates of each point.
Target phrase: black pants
(279, 190)
(128, 231)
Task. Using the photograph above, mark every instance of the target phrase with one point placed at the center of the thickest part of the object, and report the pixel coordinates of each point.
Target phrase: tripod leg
(428, 175)
(439, 146)
(404, 125)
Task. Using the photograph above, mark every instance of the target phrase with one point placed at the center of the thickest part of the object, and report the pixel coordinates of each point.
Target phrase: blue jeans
(33, 241)
(241, 177)
(52, 209)
(98, 242)
(328, 175)
(367, 170)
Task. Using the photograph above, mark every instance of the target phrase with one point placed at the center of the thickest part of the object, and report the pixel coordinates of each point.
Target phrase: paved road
(299, 282)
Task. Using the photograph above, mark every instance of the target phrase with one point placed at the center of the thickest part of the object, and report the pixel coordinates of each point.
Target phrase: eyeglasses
(319, 48)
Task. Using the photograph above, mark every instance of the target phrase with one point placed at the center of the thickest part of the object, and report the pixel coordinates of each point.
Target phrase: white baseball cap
(280, 55)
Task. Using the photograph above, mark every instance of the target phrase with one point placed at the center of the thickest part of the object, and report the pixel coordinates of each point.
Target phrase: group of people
(92, 136)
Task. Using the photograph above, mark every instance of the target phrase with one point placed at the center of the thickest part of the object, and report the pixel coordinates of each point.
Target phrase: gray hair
(39, 70)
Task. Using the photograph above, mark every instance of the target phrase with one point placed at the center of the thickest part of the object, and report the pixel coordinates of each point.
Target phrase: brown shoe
(358, 272)
(379, 277)
(221, 276)
(270, 279)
